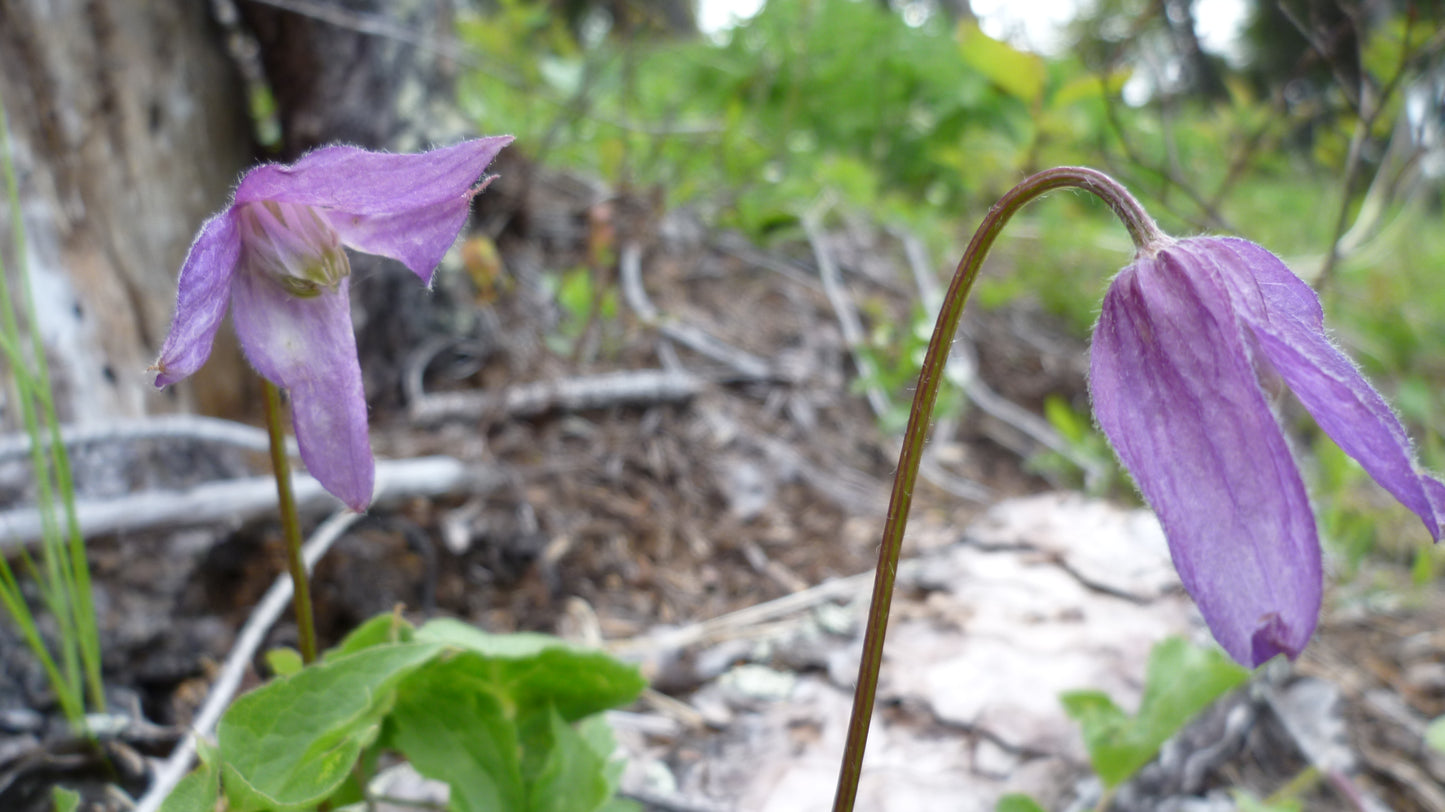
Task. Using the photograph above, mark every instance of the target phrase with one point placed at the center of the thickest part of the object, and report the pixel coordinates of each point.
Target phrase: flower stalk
(290, 524)
(1144, 233)
(1195, 339)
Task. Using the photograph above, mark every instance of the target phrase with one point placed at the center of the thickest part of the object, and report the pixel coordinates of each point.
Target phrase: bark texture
(129, 128)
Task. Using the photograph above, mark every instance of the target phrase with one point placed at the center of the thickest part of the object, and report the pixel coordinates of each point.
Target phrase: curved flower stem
(290, 524)
(1145, 234)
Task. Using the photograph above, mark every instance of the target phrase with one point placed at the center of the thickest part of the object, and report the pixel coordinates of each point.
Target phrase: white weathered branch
(694, 338)
(568, 394)
(235, 501)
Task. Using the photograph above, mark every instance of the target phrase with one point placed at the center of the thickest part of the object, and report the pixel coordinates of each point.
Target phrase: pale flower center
(294, 246)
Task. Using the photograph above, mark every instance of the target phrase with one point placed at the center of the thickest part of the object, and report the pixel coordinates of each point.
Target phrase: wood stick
(745, 363)
(182, 427)
(235, 501)
(568, 394)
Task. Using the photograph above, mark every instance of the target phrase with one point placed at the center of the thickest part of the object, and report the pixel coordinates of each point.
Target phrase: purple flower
(1192, 336)
(276, 256)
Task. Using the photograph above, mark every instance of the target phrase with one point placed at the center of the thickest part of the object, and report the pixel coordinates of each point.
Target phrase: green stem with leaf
(1144, 233)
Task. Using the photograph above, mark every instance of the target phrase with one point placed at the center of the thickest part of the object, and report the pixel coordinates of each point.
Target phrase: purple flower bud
(276, 257)
(1187, 333)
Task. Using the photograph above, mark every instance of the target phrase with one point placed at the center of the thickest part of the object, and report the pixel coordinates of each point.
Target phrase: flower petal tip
(1272, 638)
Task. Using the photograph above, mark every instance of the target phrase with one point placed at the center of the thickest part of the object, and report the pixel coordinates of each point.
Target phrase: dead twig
(175, 427)
(641, 386)
(734, 624)
(263, 617)
(235, 501)
(848, 321)
(749, 366)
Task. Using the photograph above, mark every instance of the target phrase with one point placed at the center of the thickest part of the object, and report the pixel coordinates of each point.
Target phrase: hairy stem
(1146, 236)
(290, 524)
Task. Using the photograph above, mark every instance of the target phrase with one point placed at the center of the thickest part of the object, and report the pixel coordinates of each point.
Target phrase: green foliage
(64, 800)
(1100, 474)
(1181, 681)
(283, 662)
(832, 97)
(199, 790)
(1017, 803)
(509, 722)
(584, 304)
(893, 357)
(62, 576)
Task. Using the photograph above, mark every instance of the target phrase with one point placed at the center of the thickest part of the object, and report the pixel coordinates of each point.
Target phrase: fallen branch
(235, 501)
(848, 321)
(735, 624)
(228, 681)
(749, 366)
(184, 427)
(569, 394)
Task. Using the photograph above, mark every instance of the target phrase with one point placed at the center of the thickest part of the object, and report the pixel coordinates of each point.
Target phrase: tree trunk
(128, 127)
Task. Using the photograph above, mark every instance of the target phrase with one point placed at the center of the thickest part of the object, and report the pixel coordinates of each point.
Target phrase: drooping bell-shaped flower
(277, 258)
(1186, 335)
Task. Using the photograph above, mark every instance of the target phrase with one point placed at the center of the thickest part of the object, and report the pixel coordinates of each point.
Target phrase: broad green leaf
(450, 724)
(64, 800)
(199, 790)
(572, 777)
(533, 670)
(1019, 74)
(1182, 680)
(1435, 734)
(290, 743)
(1017, 803)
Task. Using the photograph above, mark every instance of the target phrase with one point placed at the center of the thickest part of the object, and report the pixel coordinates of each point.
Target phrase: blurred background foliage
(1313, 127)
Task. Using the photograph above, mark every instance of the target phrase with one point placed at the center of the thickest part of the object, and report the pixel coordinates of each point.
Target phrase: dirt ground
(754, 470)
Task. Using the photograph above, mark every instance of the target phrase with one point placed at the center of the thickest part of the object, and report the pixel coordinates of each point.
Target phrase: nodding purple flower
(1191, 336)
(277, 258)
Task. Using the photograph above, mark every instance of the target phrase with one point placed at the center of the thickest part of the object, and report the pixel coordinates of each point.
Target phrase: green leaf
(64, 800)
(284, 662)
(290, 743)
(534, 670)
(199, 790)
(1182, 680)
(1017, 73)
(1017, 803)
(598, 735)
(387, 627)
(1435, 734)
(454, 728)
(572, 776)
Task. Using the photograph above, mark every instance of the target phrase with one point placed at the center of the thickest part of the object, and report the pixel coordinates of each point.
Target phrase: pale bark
(128, 128)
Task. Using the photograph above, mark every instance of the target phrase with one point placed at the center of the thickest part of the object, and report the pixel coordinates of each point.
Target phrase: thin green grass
(61, 576)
